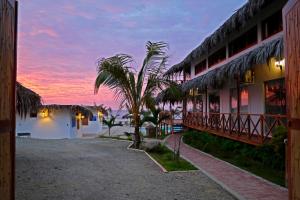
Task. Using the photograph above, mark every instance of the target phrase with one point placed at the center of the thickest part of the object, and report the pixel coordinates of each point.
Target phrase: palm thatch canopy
(216, 78)
(74, 109)
(170, 95)
(238, 21)
(26, 100)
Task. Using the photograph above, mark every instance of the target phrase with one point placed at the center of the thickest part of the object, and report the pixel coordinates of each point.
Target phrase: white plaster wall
(93, 127)
(56, 126)
(262, 73)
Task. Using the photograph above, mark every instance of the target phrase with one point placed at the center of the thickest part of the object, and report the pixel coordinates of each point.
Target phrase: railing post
(262, 128)
(230, 128)
(249, 125)
(223, 123)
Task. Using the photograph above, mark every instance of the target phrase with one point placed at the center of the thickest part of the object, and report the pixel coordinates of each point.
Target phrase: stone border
(222, 185)
(158, 164)
(139, 150)
(245, 171)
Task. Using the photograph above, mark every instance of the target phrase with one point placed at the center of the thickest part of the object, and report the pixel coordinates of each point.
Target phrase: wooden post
(206, 104)
(291, 19)
(238, 91)
(184, 101)
(8, 66)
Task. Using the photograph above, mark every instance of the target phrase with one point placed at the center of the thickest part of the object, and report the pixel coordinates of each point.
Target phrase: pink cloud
(47, 31)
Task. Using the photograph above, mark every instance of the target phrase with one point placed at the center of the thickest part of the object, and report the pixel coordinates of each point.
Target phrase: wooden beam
(291, 24)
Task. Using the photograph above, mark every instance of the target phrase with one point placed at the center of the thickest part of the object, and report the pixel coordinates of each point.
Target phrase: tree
(131, 88)
(111, 123)
(155, 117)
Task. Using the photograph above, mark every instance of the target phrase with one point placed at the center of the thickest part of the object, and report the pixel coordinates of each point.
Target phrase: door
(291, 18)
(8, 55)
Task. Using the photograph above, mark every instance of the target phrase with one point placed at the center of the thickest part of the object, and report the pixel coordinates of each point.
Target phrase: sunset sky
(61, 40)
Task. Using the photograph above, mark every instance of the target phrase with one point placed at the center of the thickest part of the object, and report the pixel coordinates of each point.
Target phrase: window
(200, 67)
(33, 114)
(85, 121)
(275, 97)
(73, 122)
(214, 103)
(217, 57)
(272, 25)
(243, 42)
(244, 97)
(93, 118)
(199, 104)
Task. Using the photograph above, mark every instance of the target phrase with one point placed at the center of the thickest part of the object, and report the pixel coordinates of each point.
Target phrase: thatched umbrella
(27, 100)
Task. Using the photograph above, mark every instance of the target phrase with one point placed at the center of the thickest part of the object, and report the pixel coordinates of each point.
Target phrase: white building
(60, 121)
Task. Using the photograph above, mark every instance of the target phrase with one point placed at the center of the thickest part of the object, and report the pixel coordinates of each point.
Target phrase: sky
(60, 41)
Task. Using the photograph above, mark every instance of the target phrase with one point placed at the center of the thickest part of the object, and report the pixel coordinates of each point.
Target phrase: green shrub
(266, 159)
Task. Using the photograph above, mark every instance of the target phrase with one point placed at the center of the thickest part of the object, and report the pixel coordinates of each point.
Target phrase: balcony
(254, 129)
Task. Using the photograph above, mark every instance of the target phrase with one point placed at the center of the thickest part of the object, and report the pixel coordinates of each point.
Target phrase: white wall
(256, 104)
(93, 127)
(56, 125)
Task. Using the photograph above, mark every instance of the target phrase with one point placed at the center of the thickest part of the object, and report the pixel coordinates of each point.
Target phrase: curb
(151, 158)
(225, 187)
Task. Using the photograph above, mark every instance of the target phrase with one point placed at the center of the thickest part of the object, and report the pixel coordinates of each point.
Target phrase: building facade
(59, 122)
(235, 78)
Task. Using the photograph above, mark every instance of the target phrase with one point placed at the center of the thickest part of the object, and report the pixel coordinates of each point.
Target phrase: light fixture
(249, 76)
(45, 113)
(82, 116)
(280, 63)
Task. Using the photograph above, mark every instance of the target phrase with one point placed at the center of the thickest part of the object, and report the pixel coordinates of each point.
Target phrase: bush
(269, 155)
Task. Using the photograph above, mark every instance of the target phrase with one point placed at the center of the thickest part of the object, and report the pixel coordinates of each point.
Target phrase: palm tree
(132, 88)
(155, 117)
(111, 123)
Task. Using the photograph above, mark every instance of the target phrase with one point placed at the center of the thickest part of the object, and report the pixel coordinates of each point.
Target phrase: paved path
(101, 169)
(242, 184)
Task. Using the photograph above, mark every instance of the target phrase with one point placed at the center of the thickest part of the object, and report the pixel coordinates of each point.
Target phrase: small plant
(111, 123)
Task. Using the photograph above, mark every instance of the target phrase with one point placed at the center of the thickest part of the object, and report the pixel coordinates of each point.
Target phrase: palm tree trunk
(109, 131)
(137, 137)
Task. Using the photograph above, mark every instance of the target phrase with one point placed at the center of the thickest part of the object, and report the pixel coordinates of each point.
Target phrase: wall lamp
(280, 64)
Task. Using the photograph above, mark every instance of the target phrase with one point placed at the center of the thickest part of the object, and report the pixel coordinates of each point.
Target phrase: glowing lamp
(82, 116)
(280, 63)
(45, 113)
(249, 76)
(100, 114)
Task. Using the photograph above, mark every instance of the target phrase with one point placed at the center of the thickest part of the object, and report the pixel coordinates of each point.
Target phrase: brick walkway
(241, 184)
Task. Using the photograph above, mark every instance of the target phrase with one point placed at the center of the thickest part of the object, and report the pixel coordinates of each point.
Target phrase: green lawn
(166, 158)
(262, 161)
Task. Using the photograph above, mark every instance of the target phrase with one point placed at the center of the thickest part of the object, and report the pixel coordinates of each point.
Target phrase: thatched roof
(74, 109)
(238, 21)
(170, 95)
(216, 78)
(26, 100)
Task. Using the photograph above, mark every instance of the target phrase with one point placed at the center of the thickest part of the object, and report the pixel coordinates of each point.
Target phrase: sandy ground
(101, 169)
(117, 130)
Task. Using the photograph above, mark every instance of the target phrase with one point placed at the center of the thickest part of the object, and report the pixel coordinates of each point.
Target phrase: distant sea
(120, 113)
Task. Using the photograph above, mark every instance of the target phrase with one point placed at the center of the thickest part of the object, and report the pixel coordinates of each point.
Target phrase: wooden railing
(249, 128)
